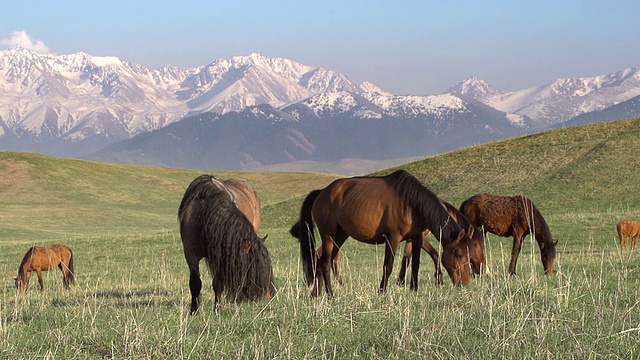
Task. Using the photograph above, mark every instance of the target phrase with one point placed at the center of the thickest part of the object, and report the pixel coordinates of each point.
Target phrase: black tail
(305, 234)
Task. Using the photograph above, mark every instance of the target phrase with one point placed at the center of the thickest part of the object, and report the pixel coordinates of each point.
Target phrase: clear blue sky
(405, 47)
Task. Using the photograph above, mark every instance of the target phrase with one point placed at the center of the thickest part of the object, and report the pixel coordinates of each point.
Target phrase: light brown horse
(381, 210)
(44, 258)
(244, 196)
(515, 216)
(628, 229)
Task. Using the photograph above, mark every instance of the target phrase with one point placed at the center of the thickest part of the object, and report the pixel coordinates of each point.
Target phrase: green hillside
(131, 299)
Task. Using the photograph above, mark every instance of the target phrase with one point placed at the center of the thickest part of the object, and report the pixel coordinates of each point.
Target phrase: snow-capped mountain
(565, 98)
(324, 127)
(68, 99)
(475, 88)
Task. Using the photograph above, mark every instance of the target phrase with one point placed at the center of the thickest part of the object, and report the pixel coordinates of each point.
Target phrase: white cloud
(23, 39)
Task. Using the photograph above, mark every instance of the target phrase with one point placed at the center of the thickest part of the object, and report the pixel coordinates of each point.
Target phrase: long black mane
(426, 206)
(237, 258)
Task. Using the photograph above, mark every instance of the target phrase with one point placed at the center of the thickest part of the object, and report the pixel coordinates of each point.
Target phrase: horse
(381, 210)
(464, 222)
(628, 229)
(44, 258)
(515, 216)
(213, 227)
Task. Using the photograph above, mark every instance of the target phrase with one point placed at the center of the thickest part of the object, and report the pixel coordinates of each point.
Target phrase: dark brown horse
(213, 227)
(515, 216)
(628, 229)
(465, 223)
(381, 210)
(43, 258)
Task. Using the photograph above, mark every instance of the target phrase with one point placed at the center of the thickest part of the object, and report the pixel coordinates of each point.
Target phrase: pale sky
(404, 47)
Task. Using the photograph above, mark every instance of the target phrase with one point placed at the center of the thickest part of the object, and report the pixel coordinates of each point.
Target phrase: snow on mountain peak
(474, 87)
(371, 88)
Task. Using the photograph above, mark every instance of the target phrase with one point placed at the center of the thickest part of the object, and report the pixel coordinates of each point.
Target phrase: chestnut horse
(43, 258)
(213, 227)
(381, 210)
(465, 223)
(628, 229)
(515, 216)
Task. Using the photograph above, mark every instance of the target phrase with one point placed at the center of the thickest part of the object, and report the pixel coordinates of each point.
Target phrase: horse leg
(39, 272)
(324, 264)
(335, 259)
(406, 260)
(391, 245)
(65, 275)
(635, 242)
(195, 285)
(515, 251)
(436, 259)
(416, 245)
(624, 242)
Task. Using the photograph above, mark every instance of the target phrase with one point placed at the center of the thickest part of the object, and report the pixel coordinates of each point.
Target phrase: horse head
(462, 255)
(20, 283)
(548, 256)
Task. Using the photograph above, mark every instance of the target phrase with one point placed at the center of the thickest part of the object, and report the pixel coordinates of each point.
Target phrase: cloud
(23, 39)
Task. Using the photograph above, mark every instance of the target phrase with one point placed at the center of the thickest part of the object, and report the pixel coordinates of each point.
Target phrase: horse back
(47, 257)
(365, 208)
(246, 199)
(628, 228)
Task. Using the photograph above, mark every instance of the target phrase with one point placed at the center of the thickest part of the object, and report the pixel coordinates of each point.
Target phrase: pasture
(131, 298)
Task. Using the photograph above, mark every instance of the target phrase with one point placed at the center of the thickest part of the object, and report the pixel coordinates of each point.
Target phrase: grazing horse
(43, 258)
(465, 223)
(214, 228)
(515, 216)
(380, 210)
(628, 229)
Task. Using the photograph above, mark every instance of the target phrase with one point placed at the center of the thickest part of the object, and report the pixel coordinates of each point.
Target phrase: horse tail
(71, 276)
(305, 227)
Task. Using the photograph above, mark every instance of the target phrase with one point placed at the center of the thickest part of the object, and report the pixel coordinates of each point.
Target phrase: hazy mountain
(629, 109)
(248, 112)
(562, 99)
(327, 127)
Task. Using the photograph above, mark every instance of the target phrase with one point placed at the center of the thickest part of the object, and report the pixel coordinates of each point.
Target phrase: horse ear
(264, 239)
(555, 243)
(461, 236)
(247, 246)
(470, 231)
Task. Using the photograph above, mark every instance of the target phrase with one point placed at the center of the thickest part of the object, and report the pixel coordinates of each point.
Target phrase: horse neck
(542, 232)
(428, 208)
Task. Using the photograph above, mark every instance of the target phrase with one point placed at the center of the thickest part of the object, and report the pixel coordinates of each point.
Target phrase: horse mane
(425, 204)
(542, 231)
(235, 254)
(26, 258)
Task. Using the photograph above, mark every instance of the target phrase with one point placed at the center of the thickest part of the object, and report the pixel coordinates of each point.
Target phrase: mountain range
(251, 112)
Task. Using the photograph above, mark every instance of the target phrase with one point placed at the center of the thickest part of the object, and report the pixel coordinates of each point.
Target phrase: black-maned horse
(515, 216)
(213, 227)
(381, 210)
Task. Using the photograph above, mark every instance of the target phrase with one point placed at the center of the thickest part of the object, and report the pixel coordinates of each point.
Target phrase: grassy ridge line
(43, 197)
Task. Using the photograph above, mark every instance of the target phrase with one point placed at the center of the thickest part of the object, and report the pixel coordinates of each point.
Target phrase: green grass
(131, 299)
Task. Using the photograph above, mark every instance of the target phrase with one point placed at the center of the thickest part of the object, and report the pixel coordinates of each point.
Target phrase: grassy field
(131, 298)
